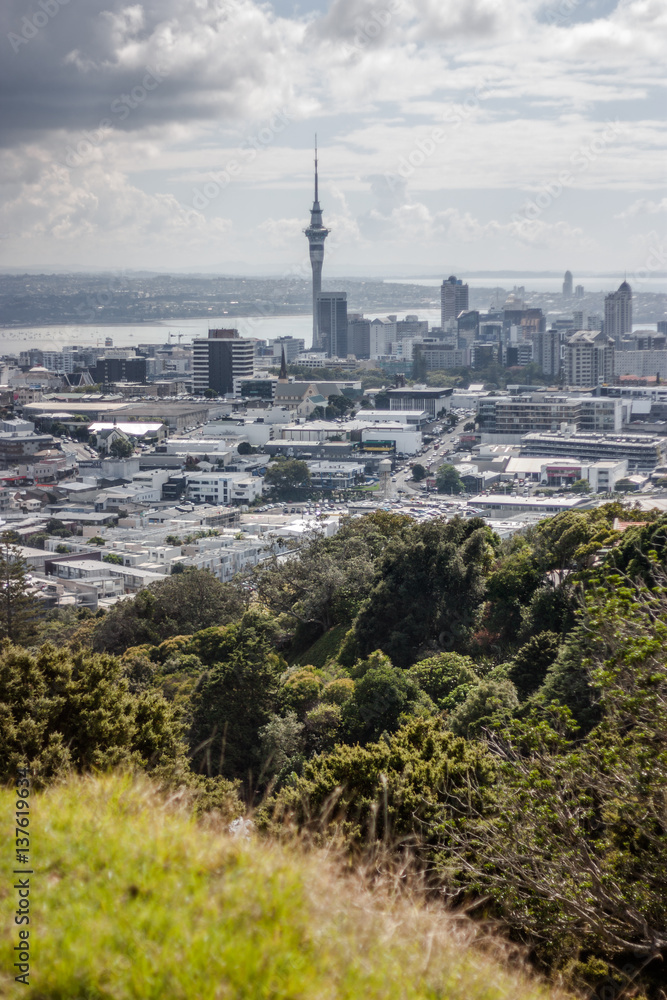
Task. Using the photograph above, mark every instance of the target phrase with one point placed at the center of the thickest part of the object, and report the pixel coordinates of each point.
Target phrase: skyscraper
(589, 358)
(548, 351)
(618, 313)
(453, 299)
(359, 336)
(221, 358)
(331, 309)
(316, 234)
(567, 284)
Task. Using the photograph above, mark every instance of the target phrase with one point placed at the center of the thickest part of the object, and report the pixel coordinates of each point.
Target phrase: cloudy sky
(453, 134)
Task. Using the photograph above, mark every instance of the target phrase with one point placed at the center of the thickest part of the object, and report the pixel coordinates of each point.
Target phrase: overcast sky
(453, 134)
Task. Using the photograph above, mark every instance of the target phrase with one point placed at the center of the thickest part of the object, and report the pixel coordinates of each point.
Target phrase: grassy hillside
(326, 647)
(133, 899)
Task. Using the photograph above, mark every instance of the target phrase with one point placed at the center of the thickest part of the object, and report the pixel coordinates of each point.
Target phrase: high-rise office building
(221, 358)
(567, 284)
(548, 351)
(359, 336)
(453, 299)
(467, 327)
(109, 370)
(331, 310)
(316, 234)
(618, 313)
(589, 358)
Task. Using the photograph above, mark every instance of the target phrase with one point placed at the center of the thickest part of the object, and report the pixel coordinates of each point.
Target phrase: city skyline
(452, 137)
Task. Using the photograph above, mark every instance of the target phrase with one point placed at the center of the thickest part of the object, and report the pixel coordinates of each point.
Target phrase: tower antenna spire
(316, 194)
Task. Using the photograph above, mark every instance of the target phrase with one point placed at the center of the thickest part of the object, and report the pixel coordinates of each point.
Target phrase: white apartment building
(223, 487)
(589, 358)
(642, 363)
(382, 337)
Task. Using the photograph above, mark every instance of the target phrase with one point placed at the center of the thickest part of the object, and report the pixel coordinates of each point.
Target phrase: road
(431, 459)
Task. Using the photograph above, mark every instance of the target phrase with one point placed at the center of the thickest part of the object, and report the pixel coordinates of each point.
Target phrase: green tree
(447, 479)
(408, 786)
(581, 486)
(340, 405)
(121, 448)
(531, 662)
(489, 704)
(448, 561)
(382, 695)
(281, 743)
(418, 472)
(19, 608)
(245, 448)
(446, 678)
(571, 845)
(112, 557)
(287, 474)
(236, 699)
(510, 588)
(568, 541)
(63, 710)
(419, 366)
(301, 691)
(328, 581)
(177, 605)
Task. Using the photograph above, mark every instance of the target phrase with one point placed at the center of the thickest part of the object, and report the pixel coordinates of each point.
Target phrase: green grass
(326, 647)
(133, 899)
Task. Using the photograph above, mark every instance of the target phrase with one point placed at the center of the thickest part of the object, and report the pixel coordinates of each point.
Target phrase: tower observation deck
(316, 234)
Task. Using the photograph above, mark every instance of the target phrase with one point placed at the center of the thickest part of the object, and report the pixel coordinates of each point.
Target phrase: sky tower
(316, 234)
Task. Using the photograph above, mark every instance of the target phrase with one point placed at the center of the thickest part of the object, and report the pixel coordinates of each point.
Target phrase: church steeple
(282, 377)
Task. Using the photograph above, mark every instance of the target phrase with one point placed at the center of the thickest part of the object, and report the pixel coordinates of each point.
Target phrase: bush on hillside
(177, 605)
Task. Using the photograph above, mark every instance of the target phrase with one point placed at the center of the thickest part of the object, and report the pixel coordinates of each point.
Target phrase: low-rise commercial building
(601, 476)
(507, 417)
(435, 400)
(335, 476)
(642, 451)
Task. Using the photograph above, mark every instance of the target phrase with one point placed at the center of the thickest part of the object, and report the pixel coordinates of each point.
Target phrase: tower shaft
(316, 233)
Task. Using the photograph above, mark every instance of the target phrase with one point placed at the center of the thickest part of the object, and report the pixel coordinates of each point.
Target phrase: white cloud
(518, 101)
(643, 206)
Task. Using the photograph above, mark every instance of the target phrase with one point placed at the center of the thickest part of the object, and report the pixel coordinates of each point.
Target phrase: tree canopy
(63, 710)
(447, 479)
(177, 605)
(287, 474)
(19, 608)
(448, 561)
